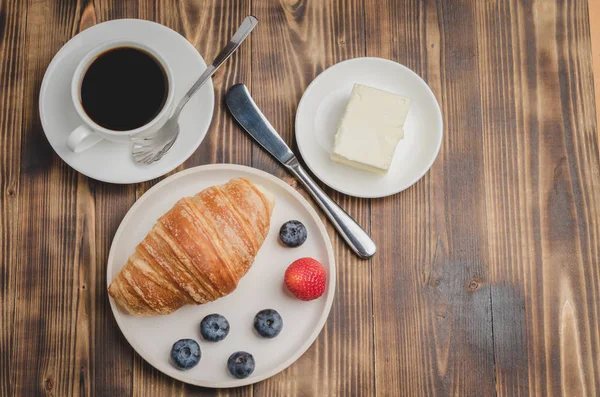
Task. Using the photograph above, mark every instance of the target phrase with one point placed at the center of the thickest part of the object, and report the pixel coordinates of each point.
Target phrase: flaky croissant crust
(198, 251)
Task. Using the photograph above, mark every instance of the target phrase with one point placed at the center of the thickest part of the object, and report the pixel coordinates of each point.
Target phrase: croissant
(198, 251)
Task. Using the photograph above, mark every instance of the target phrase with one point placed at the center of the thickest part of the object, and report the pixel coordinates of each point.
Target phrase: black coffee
(123, 89)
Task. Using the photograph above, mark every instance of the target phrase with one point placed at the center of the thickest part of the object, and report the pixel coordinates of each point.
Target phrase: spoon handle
(238, 38)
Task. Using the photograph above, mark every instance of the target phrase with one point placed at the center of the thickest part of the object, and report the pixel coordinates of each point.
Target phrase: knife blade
(255, 123)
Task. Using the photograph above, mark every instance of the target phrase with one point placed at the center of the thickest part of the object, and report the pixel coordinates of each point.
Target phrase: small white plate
(261, 288)
(109, 161)
(322, 107)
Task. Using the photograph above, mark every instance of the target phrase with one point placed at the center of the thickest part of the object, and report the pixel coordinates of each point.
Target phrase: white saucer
(261, 288)
(113, 162)
(323, 104)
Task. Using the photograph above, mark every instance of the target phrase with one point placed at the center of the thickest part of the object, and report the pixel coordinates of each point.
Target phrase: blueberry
(241, 364)
(268, 323)
(185, 353)
(214, 327)
(293, 233)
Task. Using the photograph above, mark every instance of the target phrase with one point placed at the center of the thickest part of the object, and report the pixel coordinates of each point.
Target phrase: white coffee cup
(89, 133)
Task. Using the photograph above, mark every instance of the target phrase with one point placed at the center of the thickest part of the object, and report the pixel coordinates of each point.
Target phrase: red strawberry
(306, 279)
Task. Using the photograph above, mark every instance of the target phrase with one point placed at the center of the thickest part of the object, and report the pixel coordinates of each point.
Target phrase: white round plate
(261, 288)
(109, 161)
(323, 105)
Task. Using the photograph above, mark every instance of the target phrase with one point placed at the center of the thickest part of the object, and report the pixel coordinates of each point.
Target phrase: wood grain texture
(54, 235)
(294, 43)
(12, 92)
(430, 280)
(487, 276)
(594, 17)
(542, 185)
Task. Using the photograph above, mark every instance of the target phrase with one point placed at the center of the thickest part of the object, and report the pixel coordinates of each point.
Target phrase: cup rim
(91, 56)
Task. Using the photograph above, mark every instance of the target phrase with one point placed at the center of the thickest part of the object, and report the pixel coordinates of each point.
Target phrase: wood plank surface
(12, 93)
(594, 16)
(294, 43)
(431, 297)
(487, 276)
(55, 236)
(423, 298)
(542, 185)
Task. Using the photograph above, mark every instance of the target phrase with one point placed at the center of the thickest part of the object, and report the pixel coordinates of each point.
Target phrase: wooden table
(487, 279)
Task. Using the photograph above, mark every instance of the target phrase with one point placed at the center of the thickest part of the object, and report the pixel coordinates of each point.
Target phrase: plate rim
(261, 174)
(331, 183)
(51, 68)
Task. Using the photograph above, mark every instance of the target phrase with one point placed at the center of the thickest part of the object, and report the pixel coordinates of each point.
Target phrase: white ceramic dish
(261, 288)
(109, 161)
(323, 104)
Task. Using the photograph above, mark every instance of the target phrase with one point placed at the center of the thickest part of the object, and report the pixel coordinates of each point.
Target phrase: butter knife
(247, 114)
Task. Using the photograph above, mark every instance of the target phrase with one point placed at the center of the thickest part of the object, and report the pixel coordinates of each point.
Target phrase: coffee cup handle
(82, 138)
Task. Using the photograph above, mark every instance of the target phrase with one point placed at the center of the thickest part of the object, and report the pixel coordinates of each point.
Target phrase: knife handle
(351, 232)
